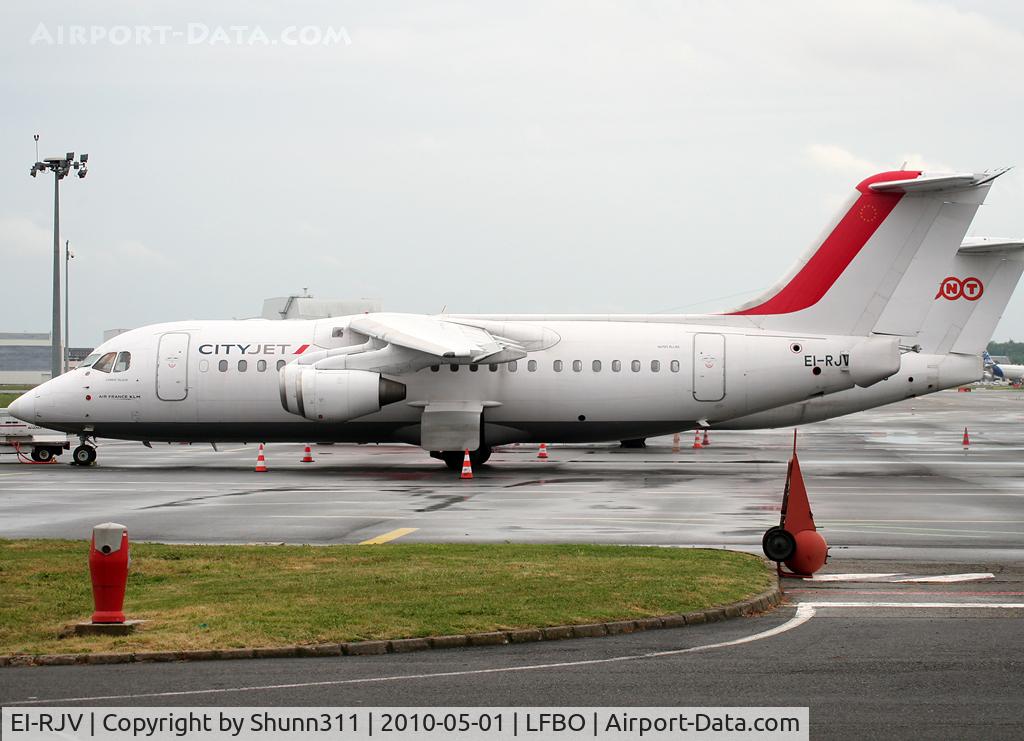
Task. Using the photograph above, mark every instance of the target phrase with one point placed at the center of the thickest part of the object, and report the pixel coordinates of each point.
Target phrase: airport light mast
(60, 167)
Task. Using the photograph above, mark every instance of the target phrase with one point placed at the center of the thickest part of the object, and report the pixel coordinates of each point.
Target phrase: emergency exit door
(172, 367)
(708, 367)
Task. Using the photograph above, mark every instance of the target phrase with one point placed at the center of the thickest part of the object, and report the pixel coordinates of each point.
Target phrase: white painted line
(337, 517)
(804, 612)
(920, 605)
(849, 577)
(945, 578)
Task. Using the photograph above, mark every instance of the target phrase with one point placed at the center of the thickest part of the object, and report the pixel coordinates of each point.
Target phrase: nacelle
(336, 395)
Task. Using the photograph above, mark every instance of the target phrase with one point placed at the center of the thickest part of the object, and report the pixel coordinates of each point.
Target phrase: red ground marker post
(796, 541)
(108, 568)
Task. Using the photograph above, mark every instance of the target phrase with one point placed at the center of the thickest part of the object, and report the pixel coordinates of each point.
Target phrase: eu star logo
(868, 213)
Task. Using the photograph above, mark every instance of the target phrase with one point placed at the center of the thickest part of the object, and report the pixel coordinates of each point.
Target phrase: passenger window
(435, 368)
(261, 365)
(222, 366)
(596, 365)
(616, 366)
(635, 365)
(124, 360)
(513, 366)
(655, 365)
(557, 365)
(104, 364)
(204, 365)
(243, 366)
(473, 367)
(280, 364)
(674, 366)
(577, 365)
(531, 365)
(338, 332)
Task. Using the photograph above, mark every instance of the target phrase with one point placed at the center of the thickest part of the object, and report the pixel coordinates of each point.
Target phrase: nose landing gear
(83, 455)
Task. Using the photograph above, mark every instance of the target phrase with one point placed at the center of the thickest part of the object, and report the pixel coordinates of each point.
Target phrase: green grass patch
(6, 399)
(197, 597)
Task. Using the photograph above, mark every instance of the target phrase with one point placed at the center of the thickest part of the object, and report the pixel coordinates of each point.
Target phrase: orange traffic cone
(696, 439)
(543, 452)
(467, 467)
(706, 442)
(967, 439)
(261, 461)
(308, 456)
(675, 443)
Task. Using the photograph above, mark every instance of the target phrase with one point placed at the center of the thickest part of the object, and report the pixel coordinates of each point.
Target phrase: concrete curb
(760, 603)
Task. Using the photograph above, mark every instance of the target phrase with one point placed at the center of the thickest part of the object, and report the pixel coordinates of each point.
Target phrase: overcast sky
(487, 157)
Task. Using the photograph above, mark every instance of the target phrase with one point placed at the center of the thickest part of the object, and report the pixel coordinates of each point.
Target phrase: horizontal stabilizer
(989, 245)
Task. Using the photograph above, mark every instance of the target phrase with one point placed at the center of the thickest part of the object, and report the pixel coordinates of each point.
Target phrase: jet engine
(336, 395)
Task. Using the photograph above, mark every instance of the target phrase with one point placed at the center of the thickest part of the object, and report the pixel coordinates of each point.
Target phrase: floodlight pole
(56, 346)
(60, 167)
(67, 305)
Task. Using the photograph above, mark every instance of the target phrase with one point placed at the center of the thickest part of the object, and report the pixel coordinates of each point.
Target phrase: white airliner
(955, 333)
(451, 383)
(1003, 371)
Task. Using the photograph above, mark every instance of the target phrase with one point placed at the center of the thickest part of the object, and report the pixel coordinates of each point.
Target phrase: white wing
(437, 337)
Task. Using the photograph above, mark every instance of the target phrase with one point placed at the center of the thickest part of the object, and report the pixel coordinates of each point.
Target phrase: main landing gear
(453, 458)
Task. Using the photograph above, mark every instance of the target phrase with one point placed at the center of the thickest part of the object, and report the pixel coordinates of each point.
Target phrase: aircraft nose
(24, 407)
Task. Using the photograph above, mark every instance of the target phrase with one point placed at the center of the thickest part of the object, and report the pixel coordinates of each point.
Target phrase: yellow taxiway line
(392, 535)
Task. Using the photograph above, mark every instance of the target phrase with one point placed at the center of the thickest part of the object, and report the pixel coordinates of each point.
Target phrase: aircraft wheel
(453, 459)
(83, 455)
(778, 544)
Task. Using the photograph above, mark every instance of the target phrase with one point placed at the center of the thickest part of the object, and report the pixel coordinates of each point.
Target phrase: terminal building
(25, 357)
(307, 307)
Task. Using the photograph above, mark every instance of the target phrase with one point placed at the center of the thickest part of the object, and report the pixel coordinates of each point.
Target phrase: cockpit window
(124, 359)
(104, 364)
(89, 360)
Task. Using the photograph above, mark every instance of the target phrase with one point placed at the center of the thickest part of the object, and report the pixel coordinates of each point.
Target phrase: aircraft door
(172, 367)
(708, 367)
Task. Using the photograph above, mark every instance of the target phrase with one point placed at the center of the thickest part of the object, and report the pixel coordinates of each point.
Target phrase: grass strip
(221, 596)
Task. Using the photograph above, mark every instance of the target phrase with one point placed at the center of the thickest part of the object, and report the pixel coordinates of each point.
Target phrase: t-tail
(991, 366)
(894, 223)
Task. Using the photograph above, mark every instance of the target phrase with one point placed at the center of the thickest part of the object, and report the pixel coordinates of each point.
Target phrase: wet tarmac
(892, 483)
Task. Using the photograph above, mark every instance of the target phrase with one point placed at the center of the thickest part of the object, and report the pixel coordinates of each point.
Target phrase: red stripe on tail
(838, 250)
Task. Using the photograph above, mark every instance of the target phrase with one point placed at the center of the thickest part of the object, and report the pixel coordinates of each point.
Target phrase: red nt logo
(953, 288)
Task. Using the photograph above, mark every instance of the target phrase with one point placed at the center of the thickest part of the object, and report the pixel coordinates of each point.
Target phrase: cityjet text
(262, 348)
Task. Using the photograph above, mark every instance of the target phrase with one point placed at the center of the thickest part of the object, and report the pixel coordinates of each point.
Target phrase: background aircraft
(1005, 371)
